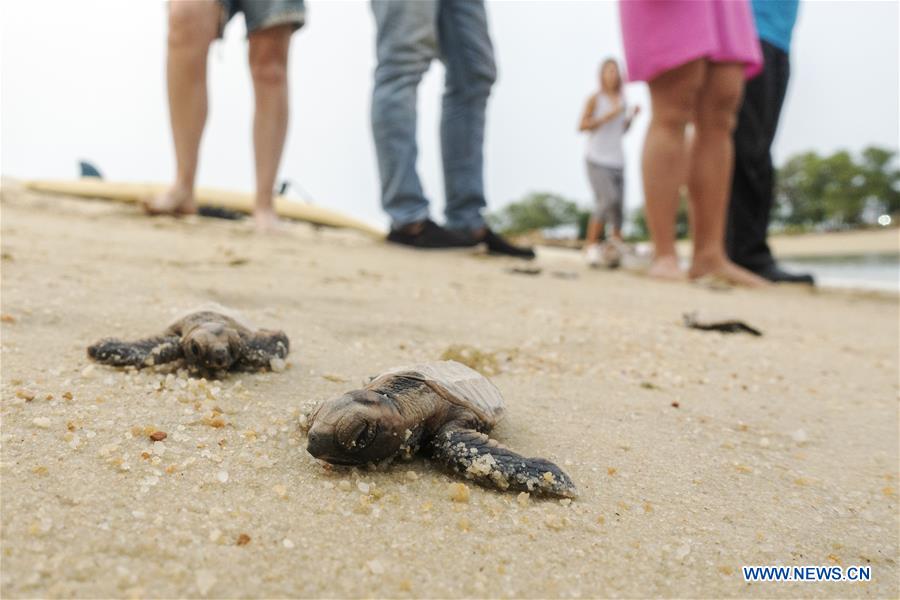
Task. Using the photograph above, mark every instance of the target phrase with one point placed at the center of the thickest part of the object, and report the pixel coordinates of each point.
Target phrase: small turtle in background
(443, 407)
(211, 338)
(728, 326)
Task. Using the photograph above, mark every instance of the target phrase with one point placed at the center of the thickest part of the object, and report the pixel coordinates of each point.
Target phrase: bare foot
(266, 221)
(666, 267)
(175, 202)
(725, 270)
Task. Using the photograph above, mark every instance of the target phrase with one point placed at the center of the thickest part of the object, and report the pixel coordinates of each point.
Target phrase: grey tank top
(604, 144)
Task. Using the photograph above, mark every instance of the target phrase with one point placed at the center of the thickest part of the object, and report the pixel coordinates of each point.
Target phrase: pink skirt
(660, 35)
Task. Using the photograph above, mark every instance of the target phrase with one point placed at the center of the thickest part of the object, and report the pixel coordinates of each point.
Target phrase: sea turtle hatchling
(445, 408)
(211, 338)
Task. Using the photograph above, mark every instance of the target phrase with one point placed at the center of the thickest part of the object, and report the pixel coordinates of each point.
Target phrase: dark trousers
(752, 189)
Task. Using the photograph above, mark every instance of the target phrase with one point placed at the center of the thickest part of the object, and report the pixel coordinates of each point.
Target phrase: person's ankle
(665, 257)
(177, 199)
(183, 183)
(181, 188)
(666, 267)
(710, 255)
(266, 219)
(479, 233)
(264, 203)
(414, 228)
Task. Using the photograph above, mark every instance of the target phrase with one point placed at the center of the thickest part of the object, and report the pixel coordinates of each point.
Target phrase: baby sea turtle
(211, 338)
(729, 326)
(445, 408)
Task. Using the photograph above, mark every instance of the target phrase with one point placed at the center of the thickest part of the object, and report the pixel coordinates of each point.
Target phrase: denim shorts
(261, 14)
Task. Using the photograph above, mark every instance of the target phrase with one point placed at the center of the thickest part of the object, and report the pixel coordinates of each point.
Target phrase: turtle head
(212, 346)
(359, 427)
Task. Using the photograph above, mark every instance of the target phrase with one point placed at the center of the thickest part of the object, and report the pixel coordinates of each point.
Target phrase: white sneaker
(620, 245)
(611, 255)
(592, 255)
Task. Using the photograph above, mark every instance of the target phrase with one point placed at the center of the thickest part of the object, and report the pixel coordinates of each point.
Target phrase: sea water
(875, 271)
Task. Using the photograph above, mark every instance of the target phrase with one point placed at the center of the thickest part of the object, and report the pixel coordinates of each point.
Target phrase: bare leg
(673, 97)
(712, 161)
(192, 28)
(268, 67)
(594, 231)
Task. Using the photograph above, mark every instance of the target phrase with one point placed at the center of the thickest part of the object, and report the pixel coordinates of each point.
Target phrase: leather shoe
(776, 274)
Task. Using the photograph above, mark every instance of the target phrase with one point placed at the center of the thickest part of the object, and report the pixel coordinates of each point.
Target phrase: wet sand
(695, 453)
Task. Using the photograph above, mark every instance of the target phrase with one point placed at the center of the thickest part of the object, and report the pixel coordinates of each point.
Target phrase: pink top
(660, 35)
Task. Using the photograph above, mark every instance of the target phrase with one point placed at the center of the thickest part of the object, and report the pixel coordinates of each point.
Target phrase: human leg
(709, 180)
(673, 98)
(268, 58)
(192, 28)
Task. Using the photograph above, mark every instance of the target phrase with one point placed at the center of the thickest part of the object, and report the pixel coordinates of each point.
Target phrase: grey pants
(608, 186)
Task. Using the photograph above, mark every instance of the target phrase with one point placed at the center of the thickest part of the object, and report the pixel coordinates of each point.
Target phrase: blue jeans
(410, 34)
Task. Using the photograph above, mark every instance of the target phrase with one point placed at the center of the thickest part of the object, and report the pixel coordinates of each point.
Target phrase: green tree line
(840, 190)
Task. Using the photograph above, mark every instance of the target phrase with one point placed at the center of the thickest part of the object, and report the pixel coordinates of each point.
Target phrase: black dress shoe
(428, 235)
(776, 275)
(497, 245)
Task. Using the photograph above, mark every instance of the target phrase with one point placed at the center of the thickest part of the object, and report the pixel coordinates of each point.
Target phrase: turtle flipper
(139, 353)
(478, 457)
(262, 346)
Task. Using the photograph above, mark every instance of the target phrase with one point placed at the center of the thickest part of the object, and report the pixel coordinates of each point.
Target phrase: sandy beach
(695, 453)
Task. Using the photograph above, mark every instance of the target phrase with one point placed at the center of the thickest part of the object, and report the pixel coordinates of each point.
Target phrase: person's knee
(475, 90)
(675, 95)
(471, 70)
(485, 74)
(397, 78)
(673, 111)
(408, 61)
(269, 71)
(268, 59)
(718, 115)
(480, 81)
(192, 25)
(718, 109)
(674, 116)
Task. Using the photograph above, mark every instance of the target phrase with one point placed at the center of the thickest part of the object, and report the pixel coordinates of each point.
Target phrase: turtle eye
(365, 436)
(195, 348)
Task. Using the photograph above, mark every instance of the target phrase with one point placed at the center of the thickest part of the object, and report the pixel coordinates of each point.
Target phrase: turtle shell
(458, 384)
(215, 312)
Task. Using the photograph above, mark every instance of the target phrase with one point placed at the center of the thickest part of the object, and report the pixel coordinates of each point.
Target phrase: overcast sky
(86, 79)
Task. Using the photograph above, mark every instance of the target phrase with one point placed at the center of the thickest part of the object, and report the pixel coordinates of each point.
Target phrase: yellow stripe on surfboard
(236, 201)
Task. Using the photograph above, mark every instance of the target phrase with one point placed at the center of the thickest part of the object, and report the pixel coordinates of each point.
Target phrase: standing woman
(604, 118)
(695, 55)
